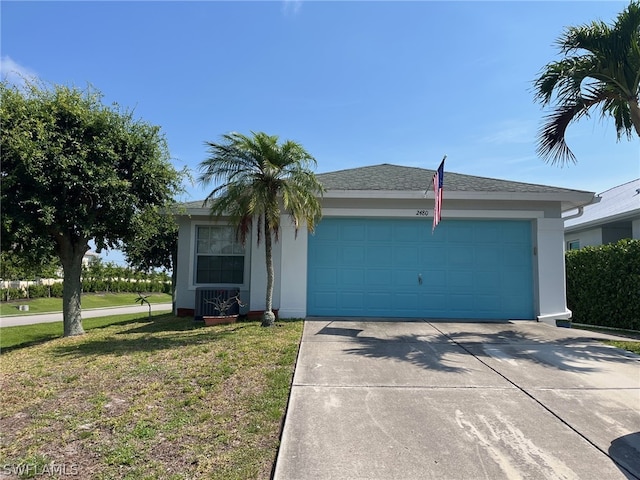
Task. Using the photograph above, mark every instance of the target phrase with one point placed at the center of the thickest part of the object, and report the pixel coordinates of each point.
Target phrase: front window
(219, 255)
(573, 245)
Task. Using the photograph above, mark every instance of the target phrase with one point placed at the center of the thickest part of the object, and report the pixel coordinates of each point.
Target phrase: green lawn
(93, 300)
(631, 345)
(140, 399)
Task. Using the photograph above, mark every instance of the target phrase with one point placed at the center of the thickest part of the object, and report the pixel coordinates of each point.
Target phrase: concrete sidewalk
(16, 320)
(417, 400)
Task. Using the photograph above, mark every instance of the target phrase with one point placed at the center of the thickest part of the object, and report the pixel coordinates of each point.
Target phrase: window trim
(571, 242)
(193, 258)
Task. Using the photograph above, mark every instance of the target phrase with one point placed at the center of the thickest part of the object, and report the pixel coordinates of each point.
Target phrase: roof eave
(598, 222)
(569, 199)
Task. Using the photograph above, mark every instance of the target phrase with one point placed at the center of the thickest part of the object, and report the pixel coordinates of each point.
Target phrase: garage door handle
(419, 279)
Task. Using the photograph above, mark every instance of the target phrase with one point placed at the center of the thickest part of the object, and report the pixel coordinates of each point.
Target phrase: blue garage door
(397, 268)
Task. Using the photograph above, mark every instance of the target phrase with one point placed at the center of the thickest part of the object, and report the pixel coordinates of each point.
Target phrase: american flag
(438, 182)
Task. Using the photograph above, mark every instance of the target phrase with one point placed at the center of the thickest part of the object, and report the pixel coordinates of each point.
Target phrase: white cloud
(510, 132)
(291, 7)
(15, 73)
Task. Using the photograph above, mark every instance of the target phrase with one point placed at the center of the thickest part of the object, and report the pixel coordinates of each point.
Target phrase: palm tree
(600, 68)
(256, 178)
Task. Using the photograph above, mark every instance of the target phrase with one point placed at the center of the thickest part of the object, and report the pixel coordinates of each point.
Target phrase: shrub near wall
(603, 284)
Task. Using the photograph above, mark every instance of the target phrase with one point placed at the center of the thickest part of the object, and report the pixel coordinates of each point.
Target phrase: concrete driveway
(374, 399)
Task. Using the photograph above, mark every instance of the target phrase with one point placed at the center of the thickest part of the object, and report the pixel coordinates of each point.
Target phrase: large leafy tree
(73, 170)
(155, 244)
(257, 178)
(20, 267)
(600, 70)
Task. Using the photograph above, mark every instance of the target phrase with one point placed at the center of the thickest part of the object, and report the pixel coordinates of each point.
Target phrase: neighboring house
(90, 257)
(497, 254)
(615, 216)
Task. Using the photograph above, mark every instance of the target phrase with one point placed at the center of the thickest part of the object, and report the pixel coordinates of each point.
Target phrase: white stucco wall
(290, 288)
(592, 237)
(258, 286)
(293, 268)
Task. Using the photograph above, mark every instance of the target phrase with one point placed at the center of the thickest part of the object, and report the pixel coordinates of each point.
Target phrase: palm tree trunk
(635, 114)
(268, 319)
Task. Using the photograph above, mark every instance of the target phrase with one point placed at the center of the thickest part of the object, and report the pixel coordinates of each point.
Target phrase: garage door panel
(403, 233)
(433, 282)
(352, 277)
(352, 300)
(515, 232)
(379, 255)
(325, 302)
(460, 257)
(460, 302)
(377, 277)
(487, 304)
(354, 232)
(325, 277)
(460, 233)
(403, 279)
(491, 234)
(404, 255)
(379, 233)
(406, 302)
(433, 256)
(352, 255)
(487, 281)
(327, 254)
(379, 301)
(514, 256)
(373, 267)
(514, 304)
(462, 279)
(487, 255)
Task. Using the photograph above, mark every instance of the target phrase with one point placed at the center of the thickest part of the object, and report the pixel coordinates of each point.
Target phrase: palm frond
(257, 178)
(601, 67)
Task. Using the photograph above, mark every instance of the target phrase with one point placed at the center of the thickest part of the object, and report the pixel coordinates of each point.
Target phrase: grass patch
(27, 335)
(631, 345)
(89, 300)
(134, 398)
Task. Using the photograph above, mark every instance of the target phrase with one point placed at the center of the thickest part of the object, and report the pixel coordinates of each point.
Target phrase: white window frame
(572, 242)
(193, 258)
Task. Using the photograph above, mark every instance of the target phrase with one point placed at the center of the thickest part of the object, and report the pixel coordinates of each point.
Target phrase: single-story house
(498, 252)
(614, 217)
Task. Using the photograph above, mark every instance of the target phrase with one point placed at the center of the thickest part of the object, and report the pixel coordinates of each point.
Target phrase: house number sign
(422, 213)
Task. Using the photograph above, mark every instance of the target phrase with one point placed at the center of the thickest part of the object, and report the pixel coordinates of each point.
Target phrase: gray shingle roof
(398, 178)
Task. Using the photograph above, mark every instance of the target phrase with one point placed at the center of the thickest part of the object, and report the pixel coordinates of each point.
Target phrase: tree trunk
(268, 318)
(635, 114)
(71, 254)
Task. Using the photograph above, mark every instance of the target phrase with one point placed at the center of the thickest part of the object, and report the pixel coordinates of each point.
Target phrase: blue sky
(357, 83)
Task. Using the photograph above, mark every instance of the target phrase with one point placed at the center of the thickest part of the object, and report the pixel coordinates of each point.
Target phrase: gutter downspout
(596, 199)
(575, 215)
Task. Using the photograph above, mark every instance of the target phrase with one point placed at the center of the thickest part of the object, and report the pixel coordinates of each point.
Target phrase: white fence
(23, 285)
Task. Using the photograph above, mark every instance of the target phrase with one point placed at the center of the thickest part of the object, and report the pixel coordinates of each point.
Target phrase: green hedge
(88, 286)
(7, 294)
(603, 284)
